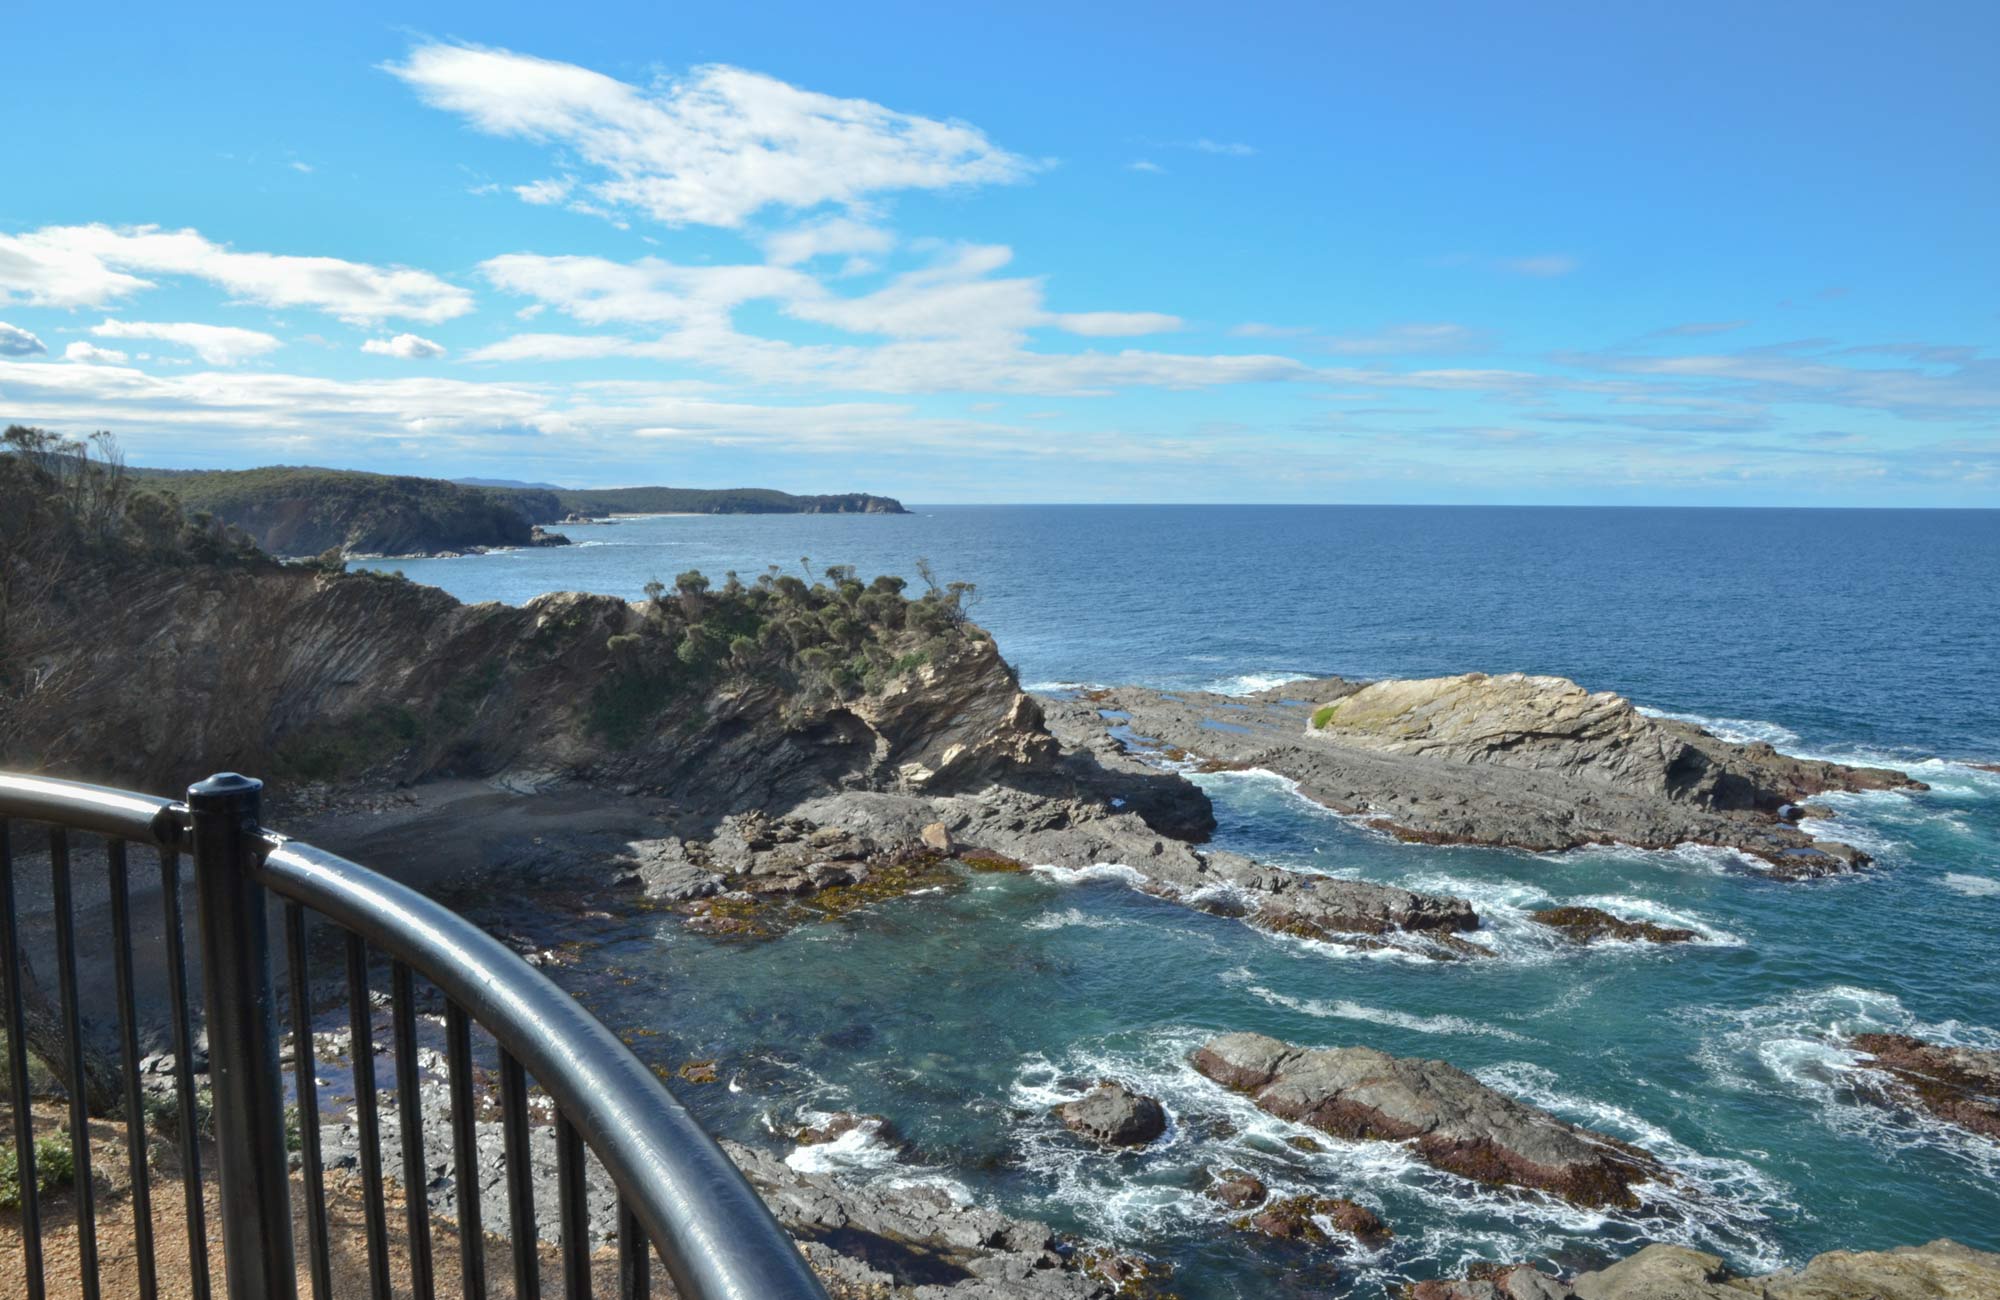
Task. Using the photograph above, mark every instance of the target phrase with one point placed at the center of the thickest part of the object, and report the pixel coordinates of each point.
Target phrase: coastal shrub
(55, 1168)
(625, 701)
(1323, 715)
(334, 748)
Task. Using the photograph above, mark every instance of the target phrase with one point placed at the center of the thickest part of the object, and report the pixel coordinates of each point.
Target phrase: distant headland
(293, 510)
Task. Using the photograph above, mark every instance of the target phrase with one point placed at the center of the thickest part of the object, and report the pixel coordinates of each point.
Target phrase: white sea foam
(1631, 908)
(1251, 683)
(1344, 1010)
(1796, 1047)
(860, 1151)
(1971, 886)
(1716, 1205)
(1071, 917)
(1737, 731)
(1115, 871)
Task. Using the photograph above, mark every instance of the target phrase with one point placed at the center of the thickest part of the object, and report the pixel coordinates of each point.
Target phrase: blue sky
(1700, 253)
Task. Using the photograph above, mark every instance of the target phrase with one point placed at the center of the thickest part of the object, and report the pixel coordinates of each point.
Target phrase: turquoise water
(962, 1015)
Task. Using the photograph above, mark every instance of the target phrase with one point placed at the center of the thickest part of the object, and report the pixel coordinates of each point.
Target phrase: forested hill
(295, 510)
(299, 510)
(719, 501)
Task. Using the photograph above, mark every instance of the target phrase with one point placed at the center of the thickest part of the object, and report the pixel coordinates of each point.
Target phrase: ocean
(963, 1015)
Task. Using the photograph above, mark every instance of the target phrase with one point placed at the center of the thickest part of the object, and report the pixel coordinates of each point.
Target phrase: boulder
(1453, 1121)
(1238, 1189)
(1300, 1218)
(1113, 1115)
(937, 838)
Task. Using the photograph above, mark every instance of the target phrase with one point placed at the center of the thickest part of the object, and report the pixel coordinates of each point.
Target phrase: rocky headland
(1535, 763)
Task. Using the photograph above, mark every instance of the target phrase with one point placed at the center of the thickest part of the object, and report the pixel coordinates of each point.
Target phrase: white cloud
(218, 345)
(17, 342)
(300, 167)
(553, 189)
(1409, 340)
(89, 266)
(1114, 324)
(1144, 165)
(596, 290)
(1228, 148)
(712, 148)
(840, 236)
(91, 354)
(408, 347)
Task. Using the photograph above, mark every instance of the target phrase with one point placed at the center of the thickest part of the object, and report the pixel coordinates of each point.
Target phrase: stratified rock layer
(1454, 1122)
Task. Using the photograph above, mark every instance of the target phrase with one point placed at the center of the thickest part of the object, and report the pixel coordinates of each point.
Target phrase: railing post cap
(224, 786)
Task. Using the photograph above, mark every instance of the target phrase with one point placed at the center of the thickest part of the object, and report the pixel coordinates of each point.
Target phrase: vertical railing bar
(135, 1110)
(177, 997)
(572, 1200)
(16, 963)
(361, 1019)
(79, 1086)
(635, 1255)
(465, 1153)
(520, 1177)
(306, 1088)
(410, 1118)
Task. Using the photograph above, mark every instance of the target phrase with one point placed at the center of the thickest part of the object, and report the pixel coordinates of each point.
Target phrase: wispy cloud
(1144, 165)
(92, 266)
(710, 148)
(218, 345)
(1227, 148)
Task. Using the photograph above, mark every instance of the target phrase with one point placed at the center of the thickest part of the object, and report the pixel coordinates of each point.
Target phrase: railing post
(242, 1041)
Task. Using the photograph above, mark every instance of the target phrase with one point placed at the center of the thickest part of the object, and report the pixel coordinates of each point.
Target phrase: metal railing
(677, 1191)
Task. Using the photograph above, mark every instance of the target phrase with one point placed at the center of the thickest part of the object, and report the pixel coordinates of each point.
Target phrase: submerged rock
(1588, 924)
(1960, 1085)
(1453, 1121)
(1113, 1115)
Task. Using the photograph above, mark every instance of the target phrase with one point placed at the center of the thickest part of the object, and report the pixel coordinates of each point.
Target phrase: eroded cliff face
(174, 671)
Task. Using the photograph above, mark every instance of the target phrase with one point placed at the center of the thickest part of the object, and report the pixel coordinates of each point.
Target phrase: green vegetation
(325, 751)
(1324, 714)
(835, 638)
(55, 1169)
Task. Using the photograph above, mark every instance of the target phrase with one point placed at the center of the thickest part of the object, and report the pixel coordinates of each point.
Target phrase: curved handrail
(120, 814)
(716, 1237)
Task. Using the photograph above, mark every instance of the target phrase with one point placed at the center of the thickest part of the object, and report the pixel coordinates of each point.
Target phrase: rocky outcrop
(1113, 1115)
(1524, 762)
(1452, 1121)
(1308, 1218)
(1960, 1085)
(918, 1237)
(1942, 1270)
(841, 850)
(1237, 1189)
(1589, 924)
